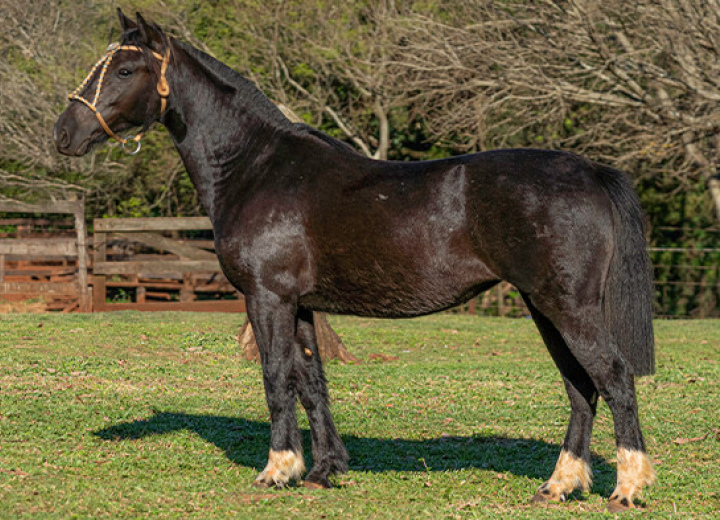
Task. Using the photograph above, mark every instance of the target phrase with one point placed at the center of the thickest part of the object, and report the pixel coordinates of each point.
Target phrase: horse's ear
(150, 34)
(125, 22)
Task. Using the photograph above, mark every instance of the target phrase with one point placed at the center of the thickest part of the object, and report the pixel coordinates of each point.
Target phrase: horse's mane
(325, 138)
(226, 79)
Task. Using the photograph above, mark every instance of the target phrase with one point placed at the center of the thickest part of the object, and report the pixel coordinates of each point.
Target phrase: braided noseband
(162, 87)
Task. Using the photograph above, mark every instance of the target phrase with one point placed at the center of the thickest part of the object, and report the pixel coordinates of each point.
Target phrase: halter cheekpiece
(103, 63)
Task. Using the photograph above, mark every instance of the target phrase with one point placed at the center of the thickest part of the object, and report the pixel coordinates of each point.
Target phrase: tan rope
(163, 87)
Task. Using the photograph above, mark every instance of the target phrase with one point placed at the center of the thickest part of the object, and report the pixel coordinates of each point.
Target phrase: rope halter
(103, 63)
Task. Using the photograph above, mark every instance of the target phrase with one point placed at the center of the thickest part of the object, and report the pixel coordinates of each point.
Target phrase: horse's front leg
(329, 454)
(273, 322)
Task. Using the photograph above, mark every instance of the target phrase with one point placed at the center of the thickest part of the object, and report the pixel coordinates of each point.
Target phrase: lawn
(131, 415)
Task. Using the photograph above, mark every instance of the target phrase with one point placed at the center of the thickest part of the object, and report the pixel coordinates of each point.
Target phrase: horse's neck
(220, 123)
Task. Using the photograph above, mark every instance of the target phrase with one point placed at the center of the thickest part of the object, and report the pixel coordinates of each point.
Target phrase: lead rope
(163, 89)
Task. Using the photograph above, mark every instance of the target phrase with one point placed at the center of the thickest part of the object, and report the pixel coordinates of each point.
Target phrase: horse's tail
(629, 288)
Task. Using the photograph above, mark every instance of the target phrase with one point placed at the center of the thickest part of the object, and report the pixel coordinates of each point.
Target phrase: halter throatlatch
(103, 63)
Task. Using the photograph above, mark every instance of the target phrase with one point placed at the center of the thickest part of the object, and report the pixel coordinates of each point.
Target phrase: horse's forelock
(131, 37)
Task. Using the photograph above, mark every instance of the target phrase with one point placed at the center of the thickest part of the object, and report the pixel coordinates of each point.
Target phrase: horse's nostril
(62, 138)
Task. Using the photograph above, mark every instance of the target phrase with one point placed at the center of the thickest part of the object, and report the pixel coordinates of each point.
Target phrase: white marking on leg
(282, 467)
(570, 473)
(634, 472)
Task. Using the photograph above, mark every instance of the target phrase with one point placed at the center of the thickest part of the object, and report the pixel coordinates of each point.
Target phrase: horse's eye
(124, 73)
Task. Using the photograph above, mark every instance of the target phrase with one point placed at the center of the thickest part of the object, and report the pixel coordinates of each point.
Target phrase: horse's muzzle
(67, 137)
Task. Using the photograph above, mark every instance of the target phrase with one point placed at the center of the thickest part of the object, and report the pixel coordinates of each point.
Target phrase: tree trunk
(329, 343)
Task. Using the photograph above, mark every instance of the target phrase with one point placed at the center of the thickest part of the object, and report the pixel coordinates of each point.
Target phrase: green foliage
(686, 254)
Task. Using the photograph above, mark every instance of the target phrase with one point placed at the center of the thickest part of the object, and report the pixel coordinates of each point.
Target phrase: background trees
(634, 85)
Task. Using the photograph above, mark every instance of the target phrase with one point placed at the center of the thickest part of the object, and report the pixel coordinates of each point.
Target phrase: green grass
(157, 415)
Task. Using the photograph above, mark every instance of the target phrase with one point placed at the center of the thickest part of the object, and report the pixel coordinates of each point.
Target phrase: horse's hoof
(539, 498)
(262, 484)
(618, 505)
(544, 494)
(317, 485)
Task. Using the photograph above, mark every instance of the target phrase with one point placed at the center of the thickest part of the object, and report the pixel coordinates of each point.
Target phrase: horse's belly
(399, 289)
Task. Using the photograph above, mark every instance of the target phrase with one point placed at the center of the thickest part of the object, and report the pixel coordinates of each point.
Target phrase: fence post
(99, 256)
(501, 300)
(472, 306)
(82, 256)
(186, 291)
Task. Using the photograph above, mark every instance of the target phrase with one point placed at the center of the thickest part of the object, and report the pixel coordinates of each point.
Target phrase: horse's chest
(273, 257)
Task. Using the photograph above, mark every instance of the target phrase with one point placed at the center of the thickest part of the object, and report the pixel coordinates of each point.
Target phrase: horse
(304, 223)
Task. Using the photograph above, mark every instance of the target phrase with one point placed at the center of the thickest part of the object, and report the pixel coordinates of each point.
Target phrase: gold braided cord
(104, 62)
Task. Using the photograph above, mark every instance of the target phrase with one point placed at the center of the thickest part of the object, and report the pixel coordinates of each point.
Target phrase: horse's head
(125, 89)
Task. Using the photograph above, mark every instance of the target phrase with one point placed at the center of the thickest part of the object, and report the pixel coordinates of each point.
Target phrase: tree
(634, 84)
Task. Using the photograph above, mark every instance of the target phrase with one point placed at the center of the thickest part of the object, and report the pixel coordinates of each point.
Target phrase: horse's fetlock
(634, 472)
(282, 467)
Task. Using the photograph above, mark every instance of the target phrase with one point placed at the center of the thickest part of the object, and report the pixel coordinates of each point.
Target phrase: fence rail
(687, 282)
(179, 263)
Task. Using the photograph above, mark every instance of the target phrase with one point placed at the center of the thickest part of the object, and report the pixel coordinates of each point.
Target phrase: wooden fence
(34, 281)
(182, 260)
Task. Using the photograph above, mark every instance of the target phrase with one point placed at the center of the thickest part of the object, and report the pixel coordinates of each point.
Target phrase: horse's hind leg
(329, 455)
(572, 470)
(588, 340)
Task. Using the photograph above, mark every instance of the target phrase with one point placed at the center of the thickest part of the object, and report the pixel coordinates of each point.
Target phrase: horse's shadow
(245, 443)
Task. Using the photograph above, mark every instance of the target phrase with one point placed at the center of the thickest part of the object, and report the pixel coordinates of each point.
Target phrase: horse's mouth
(90, 143)
(84, 147)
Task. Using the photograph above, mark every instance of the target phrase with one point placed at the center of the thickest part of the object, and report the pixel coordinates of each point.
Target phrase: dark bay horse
(303, 223)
